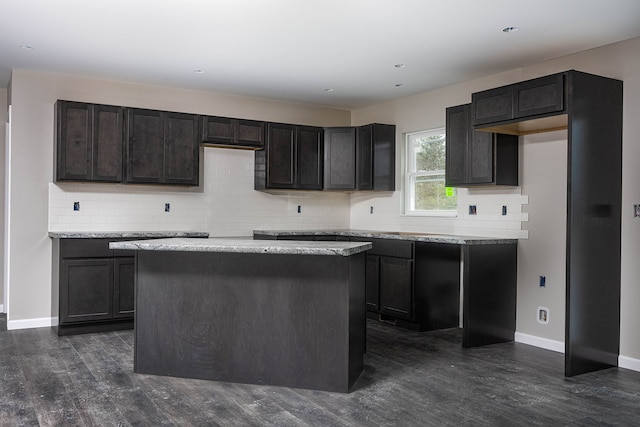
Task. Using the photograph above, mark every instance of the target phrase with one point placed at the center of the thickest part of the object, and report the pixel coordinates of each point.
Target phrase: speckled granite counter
(124, 234)
(416, 237)
(244, 245)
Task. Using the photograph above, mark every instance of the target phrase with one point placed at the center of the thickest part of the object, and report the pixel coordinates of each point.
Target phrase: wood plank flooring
(410, 379)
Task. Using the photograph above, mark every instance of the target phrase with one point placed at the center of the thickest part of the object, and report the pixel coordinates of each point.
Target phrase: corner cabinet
(292, 158)
(162, 148)
(412, 284)
(95, 287)
(478, 158)
(89, 142)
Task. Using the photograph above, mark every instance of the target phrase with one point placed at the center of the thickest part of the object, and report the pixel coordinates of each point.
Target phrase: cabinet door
(539, 96)
(219, 130)
(73, 144)
(457, 131)
(372, 283)
(86, 290)
(281, 156)
(384, 157)
(492, 105)
(181, 149)
(107, 143)
(250, 133)
(364, 152)
(123, 287)
(310, 164)
(145, 146)
(396, 287)
(340, 158)
(480, 158)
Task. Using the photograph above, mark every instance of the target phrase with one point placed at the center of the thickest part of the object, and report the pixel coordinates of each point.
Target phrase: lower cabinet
(411, 284)
(414, 285)
(95, 288)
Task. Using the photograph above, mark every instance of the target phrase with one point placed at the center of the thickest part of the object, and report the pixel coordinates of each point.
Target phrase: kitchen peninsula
(240, 310)
(413, 280)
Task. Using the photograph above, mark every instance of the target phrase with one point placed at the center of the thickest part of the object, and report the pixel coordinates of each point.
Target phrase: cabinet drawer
(388, 247)
(85, 248)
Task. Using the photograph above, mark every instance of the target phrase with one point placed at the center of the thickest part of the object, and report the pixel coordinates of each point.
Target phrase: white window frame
(410, 174)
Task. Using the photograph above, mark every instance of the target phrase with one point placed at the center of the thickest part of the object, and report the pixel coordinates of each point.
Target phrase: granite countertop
(123, 234)
(245, 245)
(395, 235)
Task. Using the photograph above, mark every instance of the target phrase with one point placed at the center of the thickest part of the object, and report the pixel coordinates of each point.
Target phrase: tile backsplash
(225, 204)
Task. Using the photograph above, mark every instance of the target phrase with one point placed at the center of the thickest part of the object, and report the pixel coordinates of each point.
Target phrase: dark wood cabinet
(89, 142)
(292, 159)
(475, 157)
(536, 97)
(372, 283)
(340, 158)
(123, 287)
(360, 158)
(396, 287)
(234, 133)
(162, 148)
(86, 288)
(590, 108)
(96, 286)
(376, 157)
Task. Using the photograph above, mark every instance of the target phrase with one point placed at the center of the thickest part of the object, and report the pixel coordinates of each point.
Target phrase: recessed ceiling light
(510, 29)
(400, 65)
(328, 89)
(26, 47)
(198, 71)
(399, 84)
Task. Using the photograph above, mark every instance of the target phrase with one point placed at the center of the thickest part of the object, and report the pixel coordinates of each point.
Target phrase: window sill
(438, 214)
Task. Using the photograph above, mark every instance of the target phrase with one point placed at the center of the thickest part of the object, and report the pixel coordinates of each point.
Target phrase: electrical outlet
(543, 281)
(472, 210)
(167, 207)
(504, 210)
(371, 210)
(542, 315)
(76, 206)
(299, 208)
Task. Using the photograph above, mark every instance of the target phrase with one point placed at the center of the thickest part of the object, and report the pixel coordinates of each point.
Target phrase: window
(425, 192)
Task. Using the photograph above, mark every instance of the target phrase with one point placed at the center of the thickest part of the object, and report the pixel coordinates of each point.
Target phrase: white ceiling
(293, 50)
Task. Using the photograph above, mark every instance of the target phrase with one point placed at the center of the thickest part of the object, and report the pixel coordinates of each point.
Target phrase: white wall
(426, 111)
(224, 204)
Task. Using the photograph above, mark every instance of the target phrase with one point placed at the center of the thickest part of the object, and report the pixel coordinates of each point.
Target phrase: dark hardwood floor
(410, 379)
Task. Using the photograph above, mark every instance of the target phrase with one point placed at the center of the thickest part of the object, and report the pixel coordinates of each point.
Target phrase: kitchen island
(260, 312)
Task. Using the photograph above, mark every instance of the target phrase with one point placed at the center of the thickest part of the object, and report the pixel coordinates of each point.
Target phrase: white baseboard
(545, 343)
(629, 363)
(44, 322)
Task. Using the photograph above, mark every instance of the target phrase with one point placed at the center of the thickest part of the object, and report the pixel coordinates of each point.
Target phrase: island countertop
(244, 245)
(394, 235)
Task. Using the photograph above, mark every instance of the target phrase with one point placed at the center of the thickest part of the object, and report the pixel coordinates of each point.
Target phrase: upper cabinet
(529, 106)
(233, 133)
(89, 141)
(475, 157)
(376, 150)
(162, 148)
(340, 158)
(292, 158)
(360, 158)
